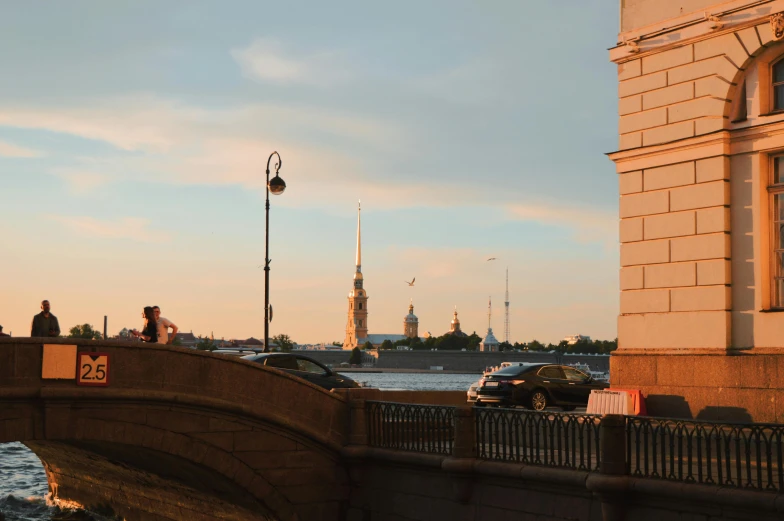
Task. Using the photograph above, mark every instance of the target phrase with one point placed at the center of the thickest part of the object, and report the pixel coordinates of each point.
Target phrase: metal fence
(747, 456)
(404, 426)
(538, 438)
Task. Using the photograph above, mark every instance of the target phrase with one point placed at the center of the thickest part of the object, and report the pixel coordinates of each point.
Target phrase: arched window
(778, 85)
(360, 305)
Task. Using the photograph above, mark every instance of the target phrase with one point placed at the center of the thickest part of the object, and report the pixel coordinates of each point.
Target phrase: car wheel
(539, 400)
(569, 408)
(478, 404)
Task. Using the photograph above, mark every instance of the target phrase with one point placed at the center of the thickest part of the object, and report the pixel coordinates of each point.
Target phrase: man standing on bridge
(163, 327)
(44, 323)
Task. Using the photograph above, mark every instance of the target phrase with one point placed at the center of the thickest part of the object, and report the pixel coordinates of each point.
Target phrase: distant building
(411, 323)
(454, 327)
(489, 342)
(187, 339)
(357, 323)
(571, 340)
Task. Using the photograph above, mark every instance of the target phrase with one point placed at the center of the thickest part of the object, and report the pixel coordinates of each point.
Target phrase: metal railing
(746, 456)
(404, 426)
(538, 438)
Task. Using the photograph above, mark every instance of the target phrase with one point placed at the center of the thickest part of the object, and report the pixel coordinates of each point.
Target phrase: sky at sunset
(134, 137)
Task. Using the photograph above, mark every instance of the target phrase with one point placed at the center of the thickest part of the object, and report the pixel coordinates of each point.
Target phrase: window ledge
(773, 310)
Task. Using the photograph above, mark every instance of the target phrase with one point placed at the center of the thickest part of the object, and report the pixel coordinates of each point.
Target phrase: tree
(283, 342)
(473, 341)
(386, 344)
(176, 341)
(84, 331)
(356, 357)
(535, 345)
(337, 344)
(505, 346)
(125, 333)
(205, 344)
(367, 345)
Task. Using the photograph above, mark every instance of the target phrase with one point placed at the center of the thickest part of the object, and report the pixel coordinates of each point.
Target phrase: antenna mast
(506, 305)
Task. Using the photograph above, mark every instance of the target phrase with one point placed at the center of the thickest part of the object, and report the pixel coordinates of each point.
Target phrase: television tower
(506, 305)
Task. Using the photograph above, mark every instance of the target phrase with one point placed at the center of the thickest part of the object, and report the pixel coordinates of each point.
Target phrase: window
(776, 191)
(573, 375)
(281, 362)
(778, 85)
(360, 305)
(551, 371)
(310, 367)
(360, 323)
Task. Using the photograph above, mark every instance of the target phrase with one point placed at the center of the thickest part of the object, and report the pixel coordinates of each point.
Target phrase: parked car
(471, 393)
(305, 368)
(537, 386)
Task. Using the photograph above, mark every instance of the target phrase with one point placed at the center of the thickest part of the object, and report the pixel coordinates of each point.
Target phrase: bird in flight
(491, 258)
(410, 283)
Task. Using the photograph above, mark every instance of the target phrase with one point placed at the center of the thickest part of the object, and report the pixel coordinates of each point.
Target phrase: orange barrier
(638, 400)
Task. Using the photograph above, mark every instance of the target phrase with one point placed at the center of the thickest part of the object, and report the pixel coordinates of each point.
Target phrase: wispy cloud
(588, 224)
(132, 228)
(10, 150)
(81, 182)
(267, 60)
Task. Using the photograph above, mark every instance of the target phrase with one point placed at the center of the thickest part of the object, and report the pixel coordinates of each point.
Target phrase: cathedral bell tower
(356, 326)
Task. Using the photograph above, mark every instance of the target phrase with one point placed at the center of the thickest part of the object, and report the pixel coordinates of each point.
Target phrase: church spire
(359, 238)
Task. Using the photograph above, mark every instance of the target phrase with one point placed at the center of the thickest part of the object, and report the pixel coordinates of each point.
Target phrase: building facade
(411, 323)
(357, 324)
(700, 162)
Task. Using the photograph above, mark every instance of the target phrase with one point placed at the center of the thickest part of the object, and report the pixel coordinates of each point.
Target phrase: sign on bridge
(92, 369)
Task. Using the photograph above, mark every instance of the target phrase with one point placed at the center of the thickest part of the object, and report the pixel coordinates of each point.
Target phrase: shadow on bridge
(178, 434)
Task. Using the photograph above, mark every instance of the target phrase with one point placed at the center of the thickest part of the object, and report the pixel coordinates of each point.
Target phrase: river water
(23, 486)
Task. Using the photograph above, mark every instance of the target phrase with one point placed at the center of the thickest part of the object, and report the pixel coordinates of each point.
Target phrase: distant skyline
(132, 154)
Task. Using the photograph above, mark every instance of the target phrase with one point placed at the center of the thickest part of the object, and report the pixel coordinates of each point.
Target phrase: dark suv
(537, 386)
(303, 367)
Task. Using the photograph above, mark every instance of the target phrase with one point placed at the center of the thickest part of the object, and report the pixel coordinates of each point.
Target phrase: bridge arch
(252, 437)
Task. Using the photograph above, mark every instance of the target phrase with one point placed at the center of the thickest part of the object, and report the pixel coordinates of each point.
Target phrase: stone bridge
(178, 434)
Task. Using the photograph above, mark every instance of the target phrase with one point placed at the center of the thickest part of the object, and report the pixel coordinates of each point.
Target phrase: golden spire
(359, 238)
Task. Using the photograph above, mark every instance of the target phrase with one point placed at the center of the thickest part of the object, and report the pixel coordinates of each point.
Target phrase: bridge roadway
(178, 434)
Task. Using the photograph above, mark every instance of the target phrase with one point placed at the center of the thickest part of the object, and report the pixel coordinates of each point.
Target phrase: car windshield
(574, 375)
(310, 367)
(281, 362)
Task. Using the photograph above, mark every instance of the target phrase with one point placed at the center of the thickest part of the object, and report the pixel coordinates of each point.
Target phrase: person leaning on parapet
(163, 327)
(44, 323)
(150, 331)
(1, 332)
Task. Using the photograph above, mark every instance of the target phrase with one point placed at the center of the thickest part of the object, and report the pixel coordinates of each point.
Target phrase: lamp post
(276, 186)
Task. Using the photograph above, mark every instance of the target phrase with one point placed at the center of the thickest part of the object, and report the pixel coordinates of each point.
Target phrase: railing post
(358, 434)
(464, 445)
(612, 433)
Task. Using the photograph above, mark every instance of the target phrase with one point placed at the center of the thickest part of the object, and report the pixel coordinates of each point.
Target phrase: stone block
(674, 370)
(177, 421)
(709, 124)
(219, 425)
(668, 133)
(714, 272)
(700, 247)
(713, 220)
(645, 252)
(697, 108)
(675, 330)
(627, 141)
(642, 84)
(645, 301)
(713, 169)
(716, 371)
(712, 86)
(667, 59)
(223, 440)
(670, 275)
(635, 205)
(670, 225)
(719, 65)
(757, 372)
(630, 182)
(668, 95)
(634, 370)
(59, 362)
(642, 120)
(750, 40)
(727, 45)
(668, 176)
(631, 230)
(629, 105)
(701, 298)
(630, 69)
(262, 441)
(703, 195)
(632, 278)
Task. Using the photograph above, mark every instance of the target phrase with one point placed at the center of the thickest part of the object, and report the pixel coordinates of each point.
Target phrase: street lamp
(276, 185)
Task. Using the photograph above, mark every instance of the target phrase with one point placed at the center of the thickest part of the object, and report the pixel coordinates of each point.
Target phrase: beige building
(701, 171)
